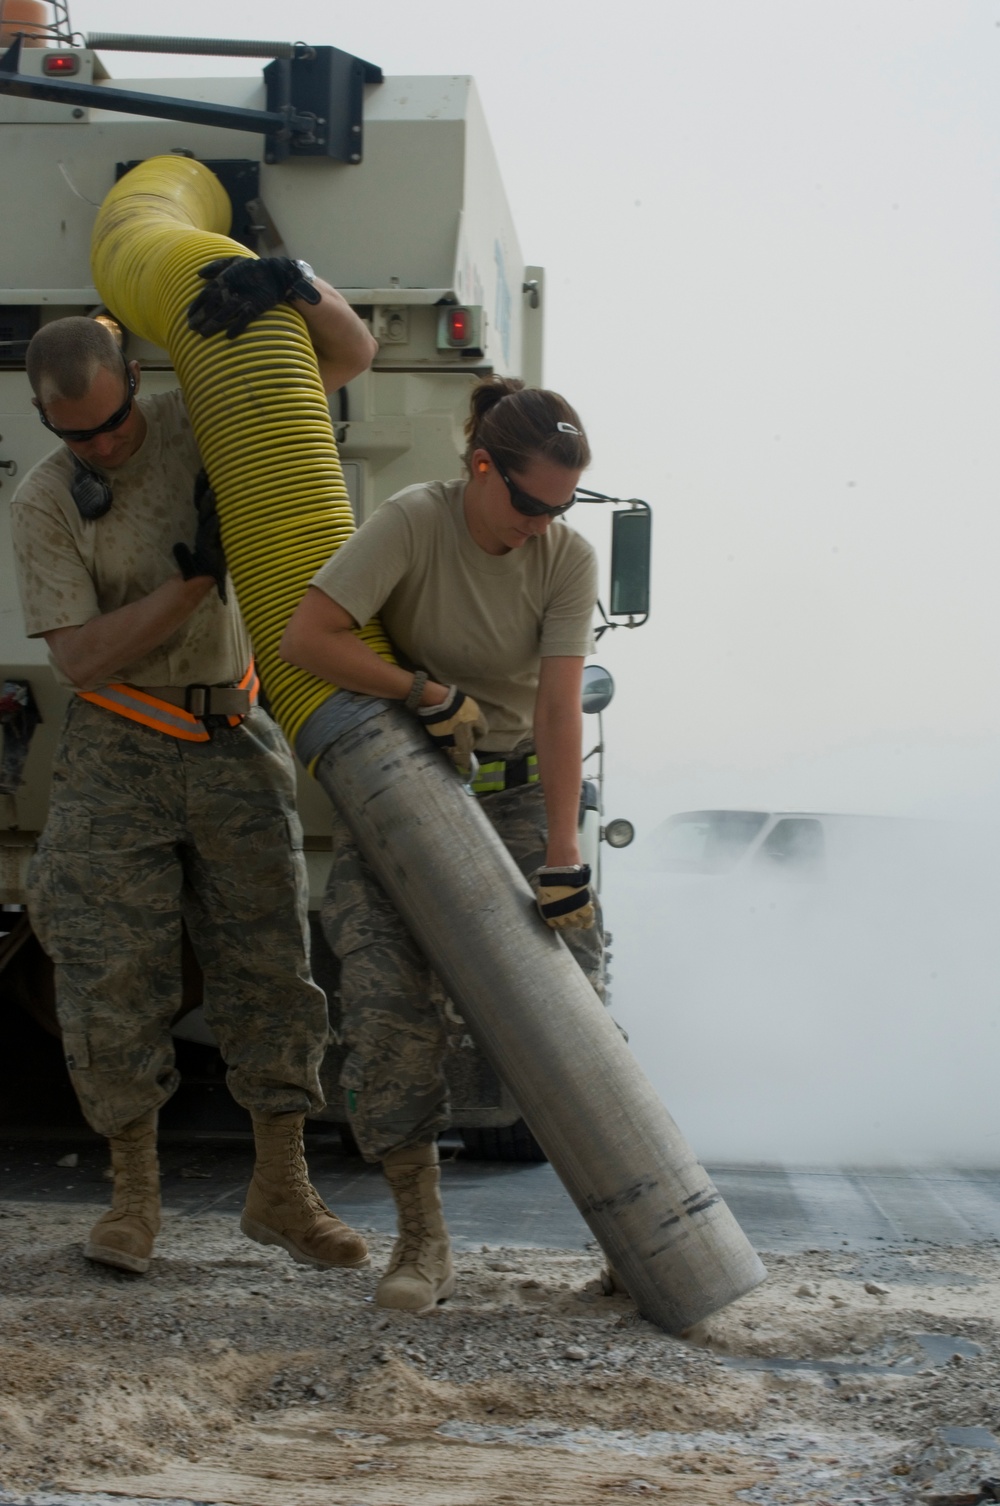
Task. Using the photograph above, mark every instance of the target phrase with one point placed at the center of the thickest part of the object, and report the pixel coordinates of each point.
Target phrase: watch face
(306, 270)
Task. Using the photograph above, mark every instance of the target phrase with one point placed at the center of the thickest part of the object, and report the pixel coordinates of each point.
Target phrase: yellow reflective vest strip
(138, 705)
(492, 777)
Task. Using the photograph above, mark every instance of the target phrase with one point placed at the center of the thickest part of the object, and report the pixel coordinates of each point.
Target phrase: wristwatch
(304, 288)
(420, 678)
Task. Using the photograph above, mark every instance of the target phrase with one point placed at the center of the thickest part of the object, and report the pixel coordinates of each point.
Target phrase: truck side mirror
(597, 689)
(631, 542)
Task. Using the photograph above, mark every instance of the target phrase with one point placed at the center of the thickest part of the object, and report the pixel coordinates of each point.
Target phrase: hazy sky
(770, 229)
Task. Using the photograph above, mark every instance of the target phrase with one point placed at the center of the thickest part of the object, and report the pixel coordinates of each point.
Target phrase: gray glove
(208, 556)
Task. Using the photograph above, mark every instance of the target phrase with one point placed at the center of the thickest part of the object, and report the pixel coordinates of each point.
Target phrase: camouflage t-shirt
(70, 570)
(481, 621)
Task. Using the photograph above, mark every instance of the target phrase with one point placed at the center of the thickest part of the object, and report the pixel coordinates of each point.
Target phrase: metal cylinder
(651, 1206)
(118, 41)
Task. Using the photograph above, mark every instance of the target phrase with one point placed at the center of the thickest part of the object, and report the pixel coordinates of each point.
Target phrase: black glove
(241, 288)
(208, 556)
(563, 897)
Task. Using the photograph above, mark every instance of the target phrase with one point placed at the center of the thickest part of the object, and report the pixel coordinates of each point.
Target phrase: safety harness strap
(140, 704)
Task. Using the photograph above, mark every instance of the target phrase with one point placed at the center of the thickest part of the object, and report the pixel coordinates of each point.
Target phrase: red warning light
(61, 63)
(458, 326)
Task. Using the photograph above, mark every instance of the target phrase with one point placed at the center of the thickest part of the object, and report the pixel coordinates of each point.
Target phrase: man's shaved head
(64, 357)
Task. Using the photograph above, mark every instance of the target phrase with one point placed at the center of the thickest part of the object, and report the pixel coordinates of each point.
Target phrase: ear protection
(483, 465)
(90, 492)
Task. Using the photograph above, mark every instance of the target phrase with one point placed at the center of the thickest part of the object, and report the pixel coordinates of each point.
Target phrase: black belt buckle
(515, 772)
(197, 699)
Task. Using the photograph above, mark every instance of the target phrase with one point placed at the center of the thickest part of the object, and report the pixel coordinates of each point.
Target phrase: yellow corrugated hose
(258, 408)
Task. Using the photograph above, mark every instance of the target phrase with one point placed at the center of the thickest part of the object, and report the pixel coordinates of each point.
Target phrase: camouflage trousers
(396, 1019)
(143, 830)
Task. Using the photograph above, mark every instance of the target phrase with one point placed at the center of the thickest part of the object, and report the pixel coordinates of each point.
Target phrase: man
(170, 802)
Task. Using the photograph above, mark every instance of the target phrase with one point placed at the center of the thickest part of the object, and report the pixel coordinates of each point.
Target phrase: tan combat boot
(283, 1207)
(420, 1271)
(124, 1236)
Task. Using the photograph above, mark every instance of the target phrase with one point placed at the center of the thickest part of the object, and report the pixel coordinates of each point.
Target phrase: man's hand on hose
(241, 288)
(563, 897)
(454, 726)
(208, 556)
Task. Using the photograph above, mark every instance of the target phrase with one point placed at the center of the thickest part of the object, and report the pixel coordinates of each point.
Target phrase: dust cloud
(839, 1004)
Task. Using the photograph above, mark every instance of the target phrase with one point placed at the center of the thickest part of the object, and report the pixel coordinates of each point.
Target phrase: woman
(481, 586)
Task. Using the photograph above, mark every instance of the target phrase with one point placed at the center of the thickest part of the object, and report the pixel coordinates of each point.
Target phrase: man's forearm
(94, 652)
(344, 345)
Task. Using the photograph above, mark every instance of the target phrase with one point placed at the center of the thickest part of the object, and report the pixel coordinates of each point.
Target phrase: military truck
(390, 188)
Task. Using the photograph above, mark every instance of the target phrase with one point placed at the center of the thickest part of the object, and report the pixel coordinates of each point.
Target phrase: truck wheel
(515, 1142)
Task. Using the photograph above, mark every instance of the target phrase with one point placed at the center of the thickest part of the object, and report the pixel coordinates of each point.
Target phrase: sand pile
(230, 1374)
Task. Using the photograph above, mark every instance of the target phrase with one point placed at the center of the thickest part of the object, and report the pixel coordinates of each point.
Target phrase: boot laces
(298, 1176)
(131, 1187)
(413, 1240)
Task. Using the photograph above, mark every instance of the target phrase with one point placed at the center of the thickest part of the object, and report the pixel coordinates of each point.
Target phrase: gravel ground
(230, 1374)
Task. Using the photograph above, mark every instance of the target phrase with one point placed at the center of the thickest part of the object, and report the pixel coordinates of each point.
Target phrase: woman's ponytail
(518, 424)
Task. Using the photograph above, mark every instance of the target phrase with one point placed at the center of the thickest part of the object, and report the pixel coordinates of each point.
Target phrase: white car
(816, 988)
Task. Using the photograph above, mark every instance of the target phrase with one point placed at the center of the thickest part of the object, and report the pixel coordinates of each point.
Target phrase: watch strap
(420, 678)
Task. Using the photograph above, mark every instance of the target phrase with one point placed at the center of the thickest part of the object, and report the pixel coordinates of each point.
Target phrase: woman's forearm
(559, 743)
(349, 663)
(320, 639)
(561, 787)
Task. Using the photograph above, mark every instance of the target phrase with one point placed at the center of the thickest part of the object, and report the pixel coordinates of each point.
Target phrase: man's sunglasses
(528, 506)
(79, 436)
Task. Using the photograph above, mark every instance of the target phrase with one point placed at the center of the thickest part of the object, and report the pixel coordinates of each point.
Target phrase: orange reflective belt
(138, 705)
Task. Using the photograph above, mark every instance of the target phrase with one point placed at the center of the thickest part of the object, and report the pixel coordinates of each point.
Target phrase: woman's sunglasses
(526, 505)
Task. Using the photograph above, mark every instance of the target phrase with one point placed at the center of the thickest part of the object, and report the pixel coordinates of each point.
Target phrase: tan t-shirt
(70, 571)
(481, 621)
